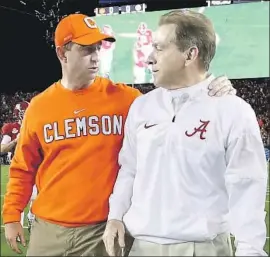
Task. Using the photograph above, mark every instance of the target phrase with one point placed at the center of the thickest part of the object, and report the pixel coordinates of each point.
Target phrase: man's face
(83, 61)
(168, 63)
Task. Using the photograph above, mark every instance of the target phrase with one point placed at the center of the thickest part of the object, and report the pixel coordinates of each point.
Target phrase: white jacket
(176, 185)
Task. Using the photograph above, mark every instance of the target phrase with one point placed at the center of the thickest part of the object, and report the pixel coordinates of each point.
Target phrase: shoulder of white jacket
(233, 101)
(236, 107)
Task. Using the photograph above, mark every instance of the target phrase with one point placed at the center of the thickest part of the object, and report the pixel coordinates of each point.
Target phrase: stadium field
(5, 251)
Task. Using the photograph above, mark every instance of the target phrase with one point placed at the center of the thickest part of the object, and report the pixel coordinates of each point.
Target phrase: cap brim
(93, 39)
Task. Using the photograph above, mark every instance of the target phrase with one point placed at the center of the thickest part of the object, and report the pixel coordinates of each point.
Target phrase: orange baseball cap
(80, 29)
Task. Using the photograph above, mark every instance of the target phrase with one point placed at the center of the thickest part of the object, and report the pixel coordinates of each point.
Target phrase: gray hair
(193, 29)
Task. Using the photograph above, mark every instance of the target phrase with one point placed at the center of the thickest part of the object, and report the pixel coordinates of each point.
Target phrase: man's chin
(156, 82)
(92, 76)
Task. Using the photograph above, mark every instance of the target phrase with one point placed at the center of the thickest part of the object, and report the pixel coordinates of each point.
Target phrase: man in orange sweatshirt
(68, 146)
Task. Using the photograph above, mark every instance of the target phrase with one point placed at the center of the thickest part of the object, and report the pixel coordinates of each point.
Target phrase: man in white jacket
(193, 168)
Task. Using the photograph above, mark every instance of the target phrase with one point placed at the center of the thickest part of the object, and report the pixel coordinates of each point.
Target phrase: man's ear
(61, 54)
(191, 55)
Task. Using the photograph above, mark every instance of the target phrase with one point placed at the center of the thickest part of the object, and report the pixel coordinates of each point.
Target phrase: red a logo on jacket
(201, 129)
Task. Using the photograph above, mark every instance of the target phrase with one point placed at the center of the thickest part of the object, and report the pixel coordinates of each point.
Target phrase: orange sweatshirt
(68, 146)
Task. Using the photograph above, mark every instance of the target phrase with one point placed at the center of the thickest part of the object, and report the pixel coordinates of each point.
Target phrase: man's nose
(95, 56)
(151, 59)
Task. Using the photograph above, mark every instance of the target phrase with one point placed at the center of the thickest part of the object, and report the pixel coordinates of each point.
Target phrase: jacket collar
(192, 91)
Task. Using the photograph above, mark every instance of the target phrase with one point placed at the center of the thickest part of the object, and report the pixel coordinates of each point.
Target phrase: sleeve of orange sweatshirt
(22, 172)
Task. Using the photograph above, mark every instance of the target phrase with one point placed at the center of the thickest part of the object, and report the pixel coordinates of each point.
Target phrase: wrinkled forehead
(164, 34)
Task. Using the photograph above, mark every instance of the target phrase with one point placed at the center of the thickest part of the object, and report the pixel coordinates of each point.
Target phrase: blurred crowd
(255, 91)
(257, 94)
(8, 103)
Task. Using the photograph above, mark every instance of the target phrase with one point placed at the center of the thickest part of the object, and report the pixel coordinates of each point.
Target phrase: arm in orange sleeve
(134, 92)
(22, 172)
(137, 93)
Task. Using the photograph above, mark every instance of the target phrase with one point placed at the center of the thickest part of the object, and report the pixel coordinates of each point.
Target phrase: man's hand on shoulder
(221, 86)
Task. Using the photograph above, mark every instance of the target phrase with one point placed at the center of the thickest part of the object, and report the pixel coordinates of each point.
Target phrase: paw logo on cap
(90, 23)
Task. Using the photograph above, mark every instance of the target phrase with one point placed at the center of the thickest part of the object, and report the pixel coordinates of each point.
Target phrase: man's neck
(75, 85)
(188, 81)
